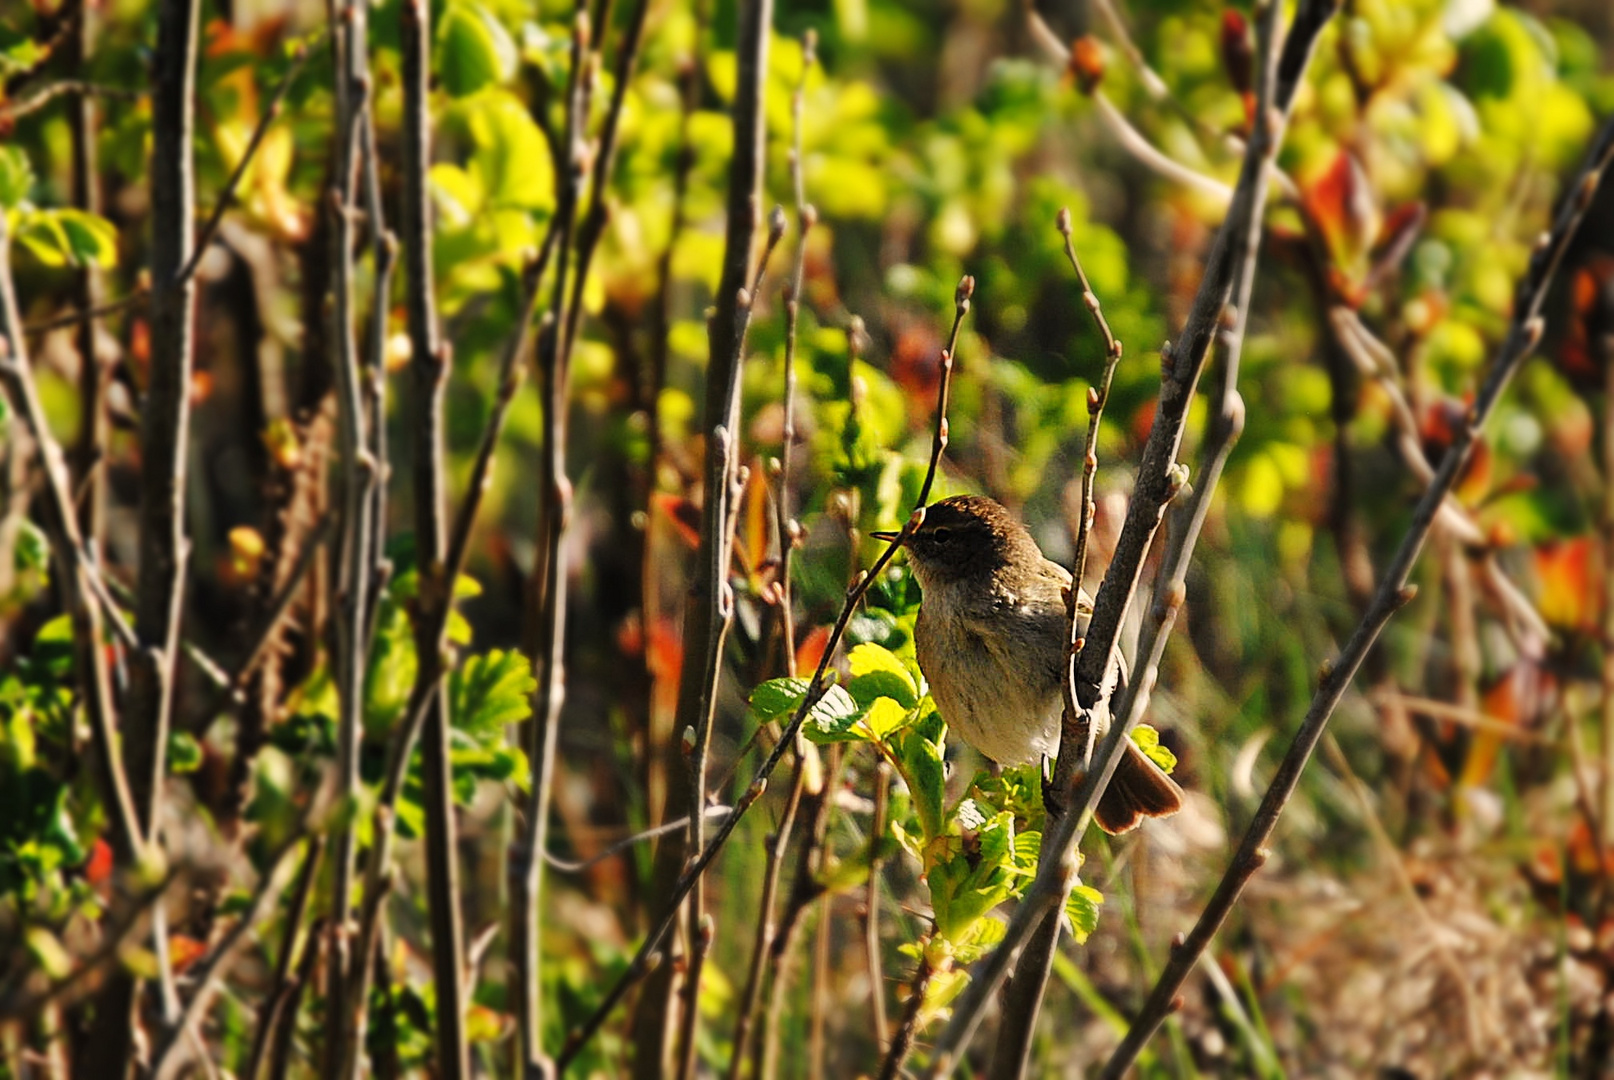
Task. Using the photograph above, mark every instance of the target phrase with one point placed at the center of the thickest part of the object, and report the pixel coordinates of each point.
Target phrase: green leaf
(91, 239)
(30, 552)
(834, 717)
(41, 234)
(511, 162)
(895, 685)
(53, 647)
(1148, 740)
(1082, 911)
(885, 716)
(472, 49)
(184, 753)
(978, 939)
(920, 760)
(776, 697)
(491, 691)
(16, 177)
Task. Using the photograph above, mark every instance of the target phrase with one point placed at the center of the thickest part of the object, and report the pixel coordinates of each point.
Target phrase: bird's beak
(888, 537)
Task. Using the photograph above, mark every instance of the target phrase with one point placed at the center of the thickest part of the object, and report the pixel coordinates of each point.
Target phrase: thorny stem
(816, 688)
(902, 1041)
(1160, 480)
(1524, 334)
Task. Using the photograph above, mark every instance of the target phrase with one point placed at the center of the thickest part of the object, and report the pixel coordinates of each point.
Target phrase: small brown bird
(991, 640)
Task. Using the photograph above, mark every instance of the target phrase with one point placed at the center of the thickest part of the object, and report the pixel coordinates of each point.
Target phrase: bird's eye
(941, 534)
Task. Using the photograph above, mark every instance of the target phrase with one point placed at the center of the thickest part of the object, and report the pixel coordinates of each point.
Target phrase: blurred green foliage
(1422, 162)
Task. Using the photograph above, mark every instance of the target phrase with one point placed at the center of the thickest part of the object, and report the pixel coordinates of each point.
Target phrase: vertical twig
(700, 925)
(280, 1038)
(549, 575)
(284, 989)
(766, 935)
(1606, 346)
(871, 901)
(358, 472)
(661, 773)
(82, 118)
(165, 419)
(430, 364)
(711, 602)
(164, 445)
(1025, 995)
(902, 1041)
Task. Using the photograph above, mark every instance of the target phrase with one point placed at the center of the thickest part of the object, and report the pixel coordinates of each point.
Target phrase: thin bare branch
(345, 1017)
(1524, 334)
(430, 361)
(816, 688)
(226, 196)
(173, 1054)
(43, 95)
(284, 989)
(548, 638)
(1160, 479)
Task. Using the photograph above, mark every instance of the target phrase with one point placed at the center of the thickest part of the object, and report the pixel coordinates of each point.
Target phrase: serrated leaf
(1081, 908)
(885, 716)
(869, 657)
(978, 939)
(491, 691)
(776, 697)
(1148, 740)
(884, 684)
(834, 717)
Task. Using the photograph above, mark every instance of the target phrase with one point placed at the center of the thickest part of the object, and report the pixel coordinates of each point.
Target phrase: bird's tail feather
(1139, 789)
